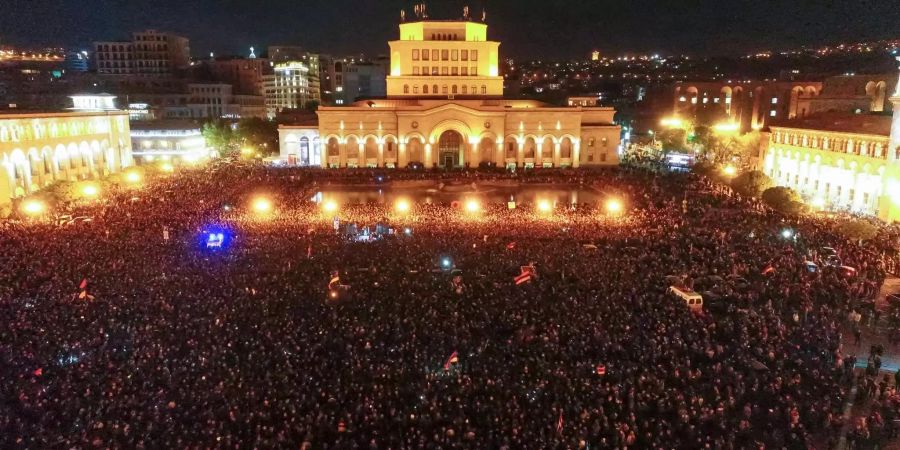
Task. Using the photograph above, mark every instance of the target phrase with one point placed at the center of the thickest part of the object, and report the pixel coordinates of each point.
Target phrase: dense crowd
(175, 345)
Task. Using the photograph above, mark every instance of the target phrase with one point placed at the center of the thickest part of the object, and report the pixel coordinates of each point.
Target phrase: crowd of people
(127, 332)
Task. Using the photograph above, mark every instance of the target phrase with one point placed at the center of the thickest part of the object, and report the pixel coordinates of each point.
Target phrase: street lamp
(33, 207)
(672, 122)
(614, 206)
(402, 206)
(262, 205)
(133, 177)
(472, 206)
(725, 127)
(544, 206)
(90, 191)
(729, 171)
(330, 206)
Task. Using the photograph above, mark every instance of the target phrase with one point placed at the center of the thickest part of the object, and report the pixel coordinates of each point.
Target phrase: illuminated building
(216, 100)
(752, 104)
(444, 108)
(93, 102)
(40, 148)
(595, 55)
(840, 160)
(287, 88)
(245, 74)
(165, 140)
(149, 53)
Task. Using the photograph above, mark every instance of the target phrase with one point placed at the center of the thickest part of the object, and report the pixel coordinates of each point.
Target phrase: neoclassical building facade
(840, 161)
(444, 108)
(40, 148)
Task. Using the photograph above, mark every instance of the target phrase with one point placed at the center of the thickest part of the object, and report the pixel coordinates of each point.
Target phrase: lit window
(425, 55)
(694, 100)
(415, 54)
(483, 90)
(435, 55)
(415, 89)
(445, 55)
(454, 71)
(445, 71)
(772, 113)
(454, 55)
(464, 55)
(464, 71)
(474, 55)
(444, 91)
(775, 100)
(416, 70)
(339, 102)
(473, 71)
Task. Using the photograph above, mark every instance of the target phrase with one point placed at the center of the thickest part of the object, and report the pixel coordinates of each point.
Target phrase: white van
(694, 300)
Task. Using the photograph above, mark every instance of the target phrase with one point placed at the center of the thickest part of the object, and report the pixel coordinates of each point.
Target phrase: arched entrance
(450, 147)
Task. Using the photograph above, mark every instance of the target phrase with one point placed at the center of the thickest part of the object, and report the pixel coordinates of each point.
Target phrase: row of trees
(758, 185)
(259, 135)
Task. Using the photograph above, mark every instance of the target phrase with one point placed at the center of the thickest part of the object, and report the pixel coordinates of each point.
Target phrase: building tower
(889, 209)
(444, 59)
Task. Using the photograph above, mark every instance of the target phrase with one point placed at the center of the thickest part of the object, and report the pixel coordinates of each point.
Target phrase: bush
(783, 199)
(752, 183)
(856, 229)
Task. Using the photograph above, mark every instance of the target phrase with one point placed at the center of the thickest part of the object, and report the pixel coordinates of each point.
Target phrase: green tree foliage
(259, 134)
(857, 229)
(752, 183)
(783, 199)
(673, 140)
(219, 135)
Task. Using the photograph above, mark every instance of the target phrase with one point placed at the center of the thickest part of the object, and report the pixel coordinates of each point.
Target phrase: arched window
(464, 89)
(444, 91)
(415, 89)
(454, 89)
(483, 89)
(434, 89)
(425, 89)
(406, 89)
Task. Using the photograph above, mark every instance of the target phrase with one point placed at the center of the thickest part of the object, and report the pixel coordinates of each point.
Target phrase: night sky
(531, 29)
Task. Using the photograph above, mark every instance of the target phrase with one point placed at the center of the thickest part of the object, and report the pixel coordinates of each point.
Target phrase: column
(520, 153)
(381, 154)
(343, 150)
(576, 154)
(499, 152)
(556, 151)
(428, 163)
(361, 156)
(538, 157)
(401, 156)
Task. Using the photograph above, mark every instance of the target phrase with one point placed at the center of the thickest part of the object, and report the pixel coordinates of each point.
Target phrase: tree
(260, 134)
(752, 183)
(783, 199)
(857, 229)
(673, 139)
(312, 106)
(218, 135)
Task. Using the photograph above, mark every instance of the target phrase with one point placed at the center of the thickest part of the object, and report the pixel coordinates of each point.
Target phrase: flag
(559, 423)
(527, 273)
(83, 284)
(511, 245)
(768, 270)
(453, 359)
(39, 371)
(335, 282)
(601, 369)
(309, 251)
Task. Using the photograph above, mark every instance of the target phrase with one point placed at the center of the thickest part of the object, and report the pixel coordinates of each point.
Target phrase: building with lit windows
(840, 160)
(287, 88)
(37, 149)
(167, 140)
(148, 53)
(444, 107)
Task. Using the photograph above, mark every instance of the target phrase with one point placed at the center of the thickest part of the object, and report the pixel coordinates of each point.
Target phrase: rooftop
(874, 124)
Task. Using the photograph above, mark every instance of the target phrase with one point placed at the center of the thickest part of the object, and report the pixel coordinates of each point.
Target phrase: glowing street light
(90, 191)
(133, 177)
(262, 205)
(614, 206)
(672, 122)
(787, 233)
(544, 206)
(818, 202)
(472, 206)
(729, 170)
(167, 167)
(726, 127)
(402, 206)
(33, 207)
(330, 206)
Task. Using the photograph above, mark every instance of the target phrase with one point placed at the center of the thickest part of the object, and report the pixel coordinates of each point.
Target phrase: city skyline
(565, 30)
